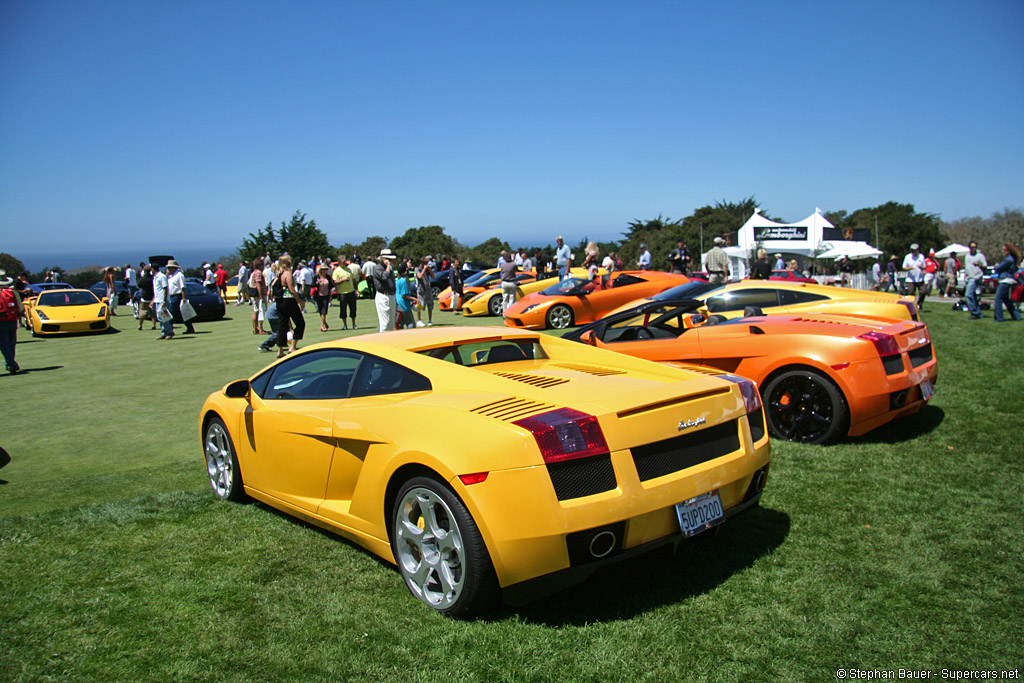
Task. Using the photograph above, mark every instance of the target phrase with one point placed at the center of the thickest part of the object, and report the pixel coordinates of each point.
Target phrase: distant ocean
(67, 259)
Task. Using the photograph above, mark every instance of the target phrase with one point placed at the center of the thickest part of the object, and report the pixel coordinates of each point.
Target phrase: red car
(791, 276)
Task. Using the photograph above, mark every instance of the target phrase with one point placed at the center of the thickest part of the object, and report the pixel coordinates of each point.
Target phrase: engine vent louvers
(590, 369)
(712, 372)
(533, 380)
(512, 409)
(827, 322)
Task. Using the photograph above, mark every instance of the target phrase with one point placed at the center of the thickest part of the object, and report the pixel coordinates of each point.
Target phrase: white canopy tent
(804, 238)
(854, 250)
(952, 250)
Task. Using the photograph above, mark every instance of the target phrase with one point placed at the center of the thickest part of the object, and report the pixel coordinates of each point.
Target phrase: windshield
(473, 280)
(689, 290)
(74, 297)
(565, 286)
(195, 289)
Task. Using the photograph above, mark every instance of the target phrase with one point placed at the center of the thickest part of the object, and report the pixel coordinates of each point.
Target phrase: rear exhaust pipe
(898, 399)
(759, 480)
(602, 544)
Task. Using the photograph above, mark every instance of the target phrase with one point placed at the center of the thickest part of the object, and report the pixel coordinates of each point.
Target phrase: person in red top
(931, 267)
(221, 278)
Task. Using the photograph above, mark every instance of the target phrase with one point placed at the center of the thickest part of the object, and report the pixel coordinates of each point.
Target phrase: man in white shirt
(644, 262)
(562, 256)
(242, 288)
(974, 270)
(160, 310)
(176, 295)
(913, 263)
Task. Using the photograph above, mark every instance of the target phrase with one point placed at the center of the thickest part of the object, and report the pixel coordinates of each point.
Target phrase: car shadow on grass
(662, 577)
(904, 429)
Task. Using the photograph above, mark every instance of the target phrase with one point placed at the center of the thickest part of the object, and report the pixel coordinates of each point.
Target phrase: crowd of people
(278, 291)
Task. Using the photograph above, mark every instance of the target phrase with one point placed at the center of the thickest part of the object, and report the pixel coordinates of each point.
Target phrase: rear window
(739, 299)
(789, 297)
(488, 352)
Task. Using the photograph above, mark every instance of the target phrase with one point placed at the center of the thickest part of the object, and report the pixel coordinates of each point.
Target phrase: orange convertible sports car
(820, 376)
(576, 300)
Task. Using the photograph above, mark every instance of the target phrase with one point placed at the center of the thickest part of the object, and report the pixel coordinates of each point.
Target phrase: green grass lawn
(899, 549)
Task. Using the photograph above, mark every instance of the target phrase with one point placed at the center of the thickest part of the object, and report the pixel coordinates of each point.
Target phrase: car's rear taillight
(751, 397)
(885, 344)
(912, 307)
(565, 434)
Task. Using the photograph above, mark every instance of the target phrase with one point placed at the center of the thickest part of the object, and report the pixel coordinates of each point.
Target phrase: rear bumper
(527, 591)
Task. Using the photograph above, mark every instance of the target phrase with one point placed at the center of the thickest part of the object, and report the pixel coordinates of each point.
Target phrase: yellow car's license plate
(700, 513)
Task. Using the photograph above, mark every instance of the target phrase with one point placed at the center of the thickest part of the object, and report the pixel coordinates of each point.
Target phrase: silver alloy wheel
(429, 548)
(219, 459)
(560, 317)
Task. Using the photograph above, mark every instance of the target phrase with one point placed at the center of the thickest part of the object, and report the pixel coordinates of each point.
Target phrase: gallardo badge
(691, 423)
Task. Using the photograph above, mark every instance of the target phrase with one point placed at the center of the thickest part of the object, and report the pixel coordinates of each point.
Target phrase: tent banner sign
(764, 233)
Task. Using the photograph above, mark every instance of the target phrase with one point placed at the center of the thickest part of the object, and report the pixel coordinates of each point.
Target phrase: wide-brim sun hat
(5, 281)
(173, 264)
(388, 254)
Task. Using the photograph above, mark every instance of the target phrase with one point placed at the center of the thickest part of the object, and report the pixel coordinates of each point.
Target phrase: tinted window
(322, 374)
(689, 290)
(788, 297)
(195, 289)
(485, 352)
(625, 279)
(377, 376)
(738, 299)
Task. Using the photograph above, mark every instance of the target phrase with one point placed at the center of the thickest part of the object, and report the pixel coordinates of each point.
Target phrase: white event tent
(804, 238)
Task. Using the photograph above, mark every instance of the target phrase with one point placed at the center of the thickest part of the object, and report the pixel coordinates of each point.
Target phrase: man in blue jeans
(176, 292)
(974, 265)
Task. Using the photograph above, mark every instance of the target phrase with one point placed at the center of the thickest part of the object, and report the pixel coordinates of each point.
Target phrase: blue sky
(196, 122)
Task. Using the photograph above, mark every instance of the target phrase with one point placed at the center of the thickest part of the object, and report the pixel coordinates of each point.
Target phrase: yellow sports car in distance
(775, 296)
(488, 462)
(65, 311)
(488, 302)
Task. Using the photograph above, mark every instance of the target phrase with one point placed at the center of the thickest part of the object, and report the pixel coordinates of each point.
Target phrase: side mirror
(238, 389)
(589, 337)
(105, 300)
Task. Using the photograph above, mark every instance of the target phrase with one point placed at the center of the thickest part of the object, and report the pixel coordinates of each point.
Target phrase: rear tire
(439, 550)
(805, 406)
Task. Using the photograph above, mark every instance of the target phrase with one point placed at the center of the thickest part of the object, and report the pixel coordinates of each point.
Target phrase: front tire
(559, 317)
(494, 305)
(805, 406)
(221, 462)
(439, 550)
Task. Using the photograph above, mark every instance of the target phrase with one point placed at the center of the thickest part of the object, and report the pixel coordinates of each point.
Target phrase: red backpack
(8, 305)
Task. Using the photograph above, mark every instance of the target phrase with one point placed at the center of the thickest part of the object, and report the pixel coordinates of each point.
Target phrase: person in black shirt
(762, 269)
(145, 292)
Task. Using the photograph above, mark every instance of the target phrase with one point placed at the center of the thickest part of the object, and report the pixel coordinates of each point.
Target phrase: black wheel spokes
(807, 415)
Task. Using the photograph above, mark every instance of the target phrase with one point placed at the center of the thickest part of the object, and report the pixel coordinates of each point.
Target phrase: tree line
(892, 227)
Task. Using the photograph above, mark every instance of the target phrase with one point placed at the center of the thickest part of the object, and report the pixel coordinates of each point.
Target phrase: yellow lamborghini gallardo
(488, 462)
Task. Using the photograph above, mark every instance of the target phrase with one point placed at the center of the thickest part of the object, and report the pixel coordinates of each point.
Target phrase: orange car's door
(734, 348)
(590, 306)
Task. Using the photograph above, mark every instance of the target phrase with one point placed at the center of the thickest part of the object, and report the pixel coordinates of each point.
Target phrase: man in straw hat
(383, 279)
(11, 310)
(176, 292)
